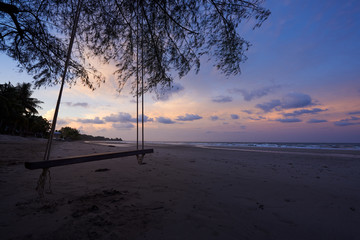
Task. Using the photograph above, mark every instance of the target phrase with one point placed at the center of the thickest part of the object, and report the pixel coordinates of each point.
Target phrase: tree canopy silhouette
(18, 111)
(166, 38)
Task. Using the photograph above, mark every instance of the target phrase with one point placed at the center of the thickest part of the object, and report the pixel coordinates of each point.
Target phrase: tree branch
(12, 10)
(152, 36)
(220, 13)
(172, 19)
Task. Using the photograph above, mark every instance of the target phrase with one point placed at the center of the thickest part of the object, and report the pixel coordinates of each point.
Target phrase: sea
(280, 145)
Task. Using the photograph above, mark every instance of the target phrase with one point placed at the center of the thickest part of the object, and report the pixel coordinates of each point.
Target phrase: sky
(301, 83)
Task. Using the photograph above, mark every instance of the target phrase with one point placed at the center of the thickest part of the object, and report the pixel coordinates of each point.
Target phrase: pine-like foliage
(161, 37)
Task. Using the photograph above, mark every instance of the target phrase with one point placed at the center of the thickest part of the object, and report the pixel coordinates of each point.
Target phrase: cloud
(165, 120)
(222, 99)
(165, 93)
(296, 100)
(291, 100)
(189, 117)
(342, 123)
(120, 117)
(257, 93)
(354, 113)
(288, 120)
(214, 118)
(304, 111)
(61, 122)
(125, 118)
(316, 121)
(348, 122)
(96, 120)
(234, 116)
(78, 104)
(123, 125)
(269, 106)
(49, 114)
(146, 118)
(256, 119)
(247, 111)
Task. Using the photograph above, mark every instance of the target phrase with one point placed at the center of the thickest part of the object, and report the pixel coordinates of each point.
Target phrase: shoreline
(182, 192)
(348, 153)
(270, 145)
(312, 152)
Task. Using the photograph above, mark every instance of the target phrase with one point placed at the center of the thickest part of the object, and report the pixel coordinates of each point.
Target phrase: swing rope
(137, 75)
(46, 163)
(142, 87)
(46, 172)
(139, 157)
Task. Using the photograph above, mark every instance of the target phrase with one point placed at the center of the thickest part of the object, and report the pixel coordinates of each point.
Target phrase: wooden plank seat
(84, 158)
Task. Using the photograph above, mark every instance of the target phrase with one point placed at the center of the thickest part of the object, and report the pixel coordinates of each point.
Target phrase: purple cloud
(269, 106)
(256, 119)
(166, 93)
(146, 118)
(96, 120)
(189, 117)
(296, 100)
(347, 122)
(214, 118)
(62, 122)
(78, 104)
(123, 125)
(304, 111)
(247, 111)
(291, 100)
(257, 93)
(125, 118)
(222, 99)
(342, 123)
(165, 120)
(288, 120)
(316, 121)
(120, 117)
(354, 113)
(234, 116)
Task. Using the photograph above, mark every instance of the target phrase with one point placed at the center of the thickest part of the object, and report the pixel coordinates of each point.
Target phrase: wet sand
(182, 192)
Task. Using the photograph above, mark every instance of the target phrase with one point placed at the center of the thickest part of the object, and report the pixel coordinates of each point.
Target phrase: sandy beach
(182, 192)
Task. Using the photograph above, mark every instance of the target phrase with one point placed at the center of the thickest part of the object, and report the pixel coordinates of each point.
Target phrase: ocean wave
(328, 146)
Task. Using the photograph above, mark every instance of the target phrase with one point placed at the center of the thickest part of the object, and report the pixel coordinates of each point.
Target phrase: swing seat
(84, 158)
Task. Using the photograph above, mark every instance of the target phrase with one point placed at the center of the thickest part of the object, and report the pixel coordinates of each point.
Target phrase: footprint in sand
(102, 170)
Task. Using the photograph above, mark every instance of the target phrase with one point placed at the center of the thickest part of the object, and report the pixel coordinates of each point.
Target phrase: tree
(69, 133)
(18, 110)
(39, 126)
(27, 36)
(163, 37)
(28, 103)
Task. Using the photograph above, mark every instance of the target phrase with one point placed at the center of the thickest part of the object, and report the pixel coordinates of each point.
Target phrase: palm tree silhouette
(16, 106)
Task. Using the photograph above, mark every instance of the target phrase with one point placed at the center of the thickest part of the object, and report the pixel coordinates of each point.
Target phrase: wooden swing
(139, 153)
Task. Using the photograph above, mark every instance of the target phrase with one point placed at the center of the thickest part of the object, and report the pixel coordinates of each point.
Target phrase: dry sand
(182, 192)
